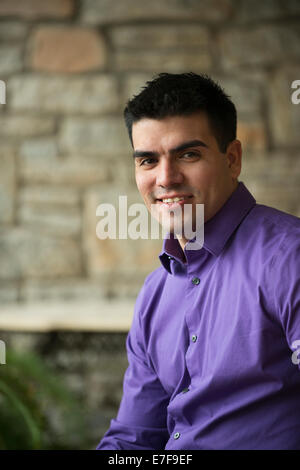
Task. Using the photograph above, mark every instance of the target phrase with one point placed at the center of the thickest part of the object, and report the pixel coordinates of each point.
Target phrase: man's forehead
(169, 133)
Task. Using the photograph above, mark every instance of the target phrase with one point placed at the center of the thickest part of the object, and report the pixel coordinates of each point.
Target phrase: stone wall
(69, 68)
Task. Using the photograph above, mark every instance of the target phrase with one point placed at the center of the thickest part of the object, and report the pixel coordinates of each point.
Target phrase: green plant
(37, 411)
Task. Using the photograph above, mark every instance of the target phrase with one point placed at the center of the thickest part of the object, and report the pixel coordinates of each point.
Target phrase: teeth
(174, 199)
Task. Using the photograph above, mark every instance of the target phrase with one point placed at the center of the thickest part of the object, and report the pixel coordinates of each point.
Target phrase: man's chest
(211, 326)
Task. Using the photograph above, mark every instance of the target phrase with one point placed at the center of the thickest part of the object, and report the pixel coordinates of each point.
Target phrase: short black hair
(184, 94)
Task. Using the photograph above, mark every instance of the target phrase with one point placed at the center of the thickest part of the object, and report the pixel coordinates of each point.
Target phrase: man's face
(179, 157)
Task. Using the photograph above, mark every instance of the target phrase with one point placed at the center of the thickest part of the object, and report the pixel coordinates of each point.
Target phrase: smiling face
(179, 156)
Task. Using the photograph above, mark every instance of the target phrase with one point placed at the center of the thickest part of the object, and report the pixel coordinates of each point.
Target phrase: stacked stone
(69, 68)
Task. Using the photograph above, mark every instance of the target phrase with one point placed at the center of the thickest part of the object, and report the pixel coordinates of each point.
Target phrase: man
(210, 350)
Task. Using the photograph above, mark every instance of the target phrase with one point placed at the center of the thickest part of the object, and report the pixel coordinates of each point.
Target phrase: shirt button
(194, 338)
(176, 435)
(196, 281)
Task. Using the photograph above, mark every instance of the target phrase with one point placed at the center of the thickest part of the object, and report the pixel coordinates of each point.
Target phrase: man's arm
(286, 289)
(141, 420)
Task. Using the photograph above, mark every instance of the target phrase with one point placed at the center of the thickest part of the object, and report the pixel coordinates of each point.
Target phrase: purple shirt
(210, 347)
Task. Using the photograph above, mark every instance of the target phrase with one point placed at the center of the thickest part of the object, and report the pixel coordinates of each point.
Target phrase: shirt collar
(217, 230)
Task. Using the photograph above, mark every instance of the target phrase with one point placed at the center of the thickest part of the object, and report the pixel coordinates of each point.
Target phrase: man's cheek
(139, 185)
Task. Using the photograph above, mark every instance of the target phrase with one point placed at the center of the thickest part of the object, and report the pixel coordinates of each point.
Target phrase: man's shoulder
(153, 282)
(280, 222)
(273, 227)
(276, 216)
(155, 277)
(151, 290)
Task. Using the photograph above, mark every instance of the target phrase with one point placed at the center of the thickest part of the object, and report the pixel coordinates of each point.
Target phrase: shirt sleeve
(142, 416)
(287, 293)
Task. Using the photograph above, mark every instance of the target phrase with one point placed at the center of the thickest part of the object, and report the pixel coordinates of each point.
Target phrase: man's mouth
(176, 200)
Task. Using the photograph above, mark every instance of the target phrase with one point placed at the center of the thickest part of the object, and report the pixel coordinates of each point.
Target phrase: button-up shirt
(211, 350)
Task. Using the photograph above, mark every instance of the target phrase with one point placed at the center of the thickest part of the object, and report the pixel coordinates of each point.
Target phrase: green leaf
(25, 413)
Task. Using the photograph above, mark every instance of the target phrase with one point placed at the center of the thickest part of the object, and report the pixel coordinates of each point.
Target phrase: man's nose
(168, 174)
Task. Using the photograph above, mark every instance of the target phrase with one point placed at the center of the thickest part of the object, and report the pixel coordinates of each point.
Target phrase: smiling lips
(175, 200)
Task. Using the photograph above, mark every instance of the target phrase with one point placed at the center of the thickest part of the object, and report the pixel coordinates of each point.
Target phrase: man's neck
(182, 242)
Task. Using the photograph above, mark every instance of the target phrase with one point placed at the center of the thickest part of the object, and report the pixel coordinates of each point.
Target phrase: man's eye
(189, 155)
(147, 161)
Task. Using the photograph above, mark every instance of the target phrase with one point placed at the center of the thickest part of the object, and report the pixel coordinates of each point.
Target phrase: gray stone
(155, 61)
(256, 10)
(25, 253)
(22, 342)
(88, 95)
(246, 94)
(39, 163)
(159, 36)
(55, 221)
(12, 30)
(261, 45)
(105, 11)
(283, 113)
(7, 185)
(265, 174)
(43, 148)
(34, 290)
(10, 59)
(274, 167)
(118, 284)
(9, 263)
(102, 136)
(270, 194)
(121, 169)
(9, 292)
(25, 126)
(49, 196)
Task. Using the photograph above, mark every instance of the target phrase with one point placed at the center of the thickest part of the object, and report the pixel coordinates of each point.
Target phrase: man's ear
(234, 157)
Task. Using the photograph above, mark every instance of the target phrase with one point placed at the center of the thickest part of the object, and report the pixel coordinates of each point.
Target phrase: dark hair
(184, 94)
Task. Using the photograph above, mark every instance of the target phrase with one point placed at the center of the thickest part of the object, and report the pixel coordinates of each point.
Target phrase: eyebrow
(179, 148)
